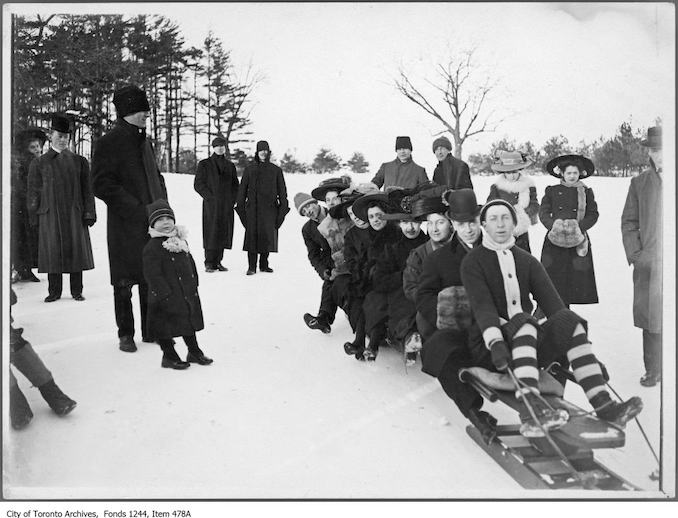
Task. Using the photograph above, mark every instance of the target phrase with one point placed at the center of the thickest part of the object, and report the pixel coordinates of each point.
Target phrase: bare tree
(464, 91)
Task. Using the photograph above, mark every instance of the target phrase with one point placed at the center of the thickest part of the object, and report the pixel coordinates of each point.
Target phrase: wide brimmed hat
(462, 204)
(424, 205)
(509, 161)
(654, 137)
(361, 205)
(556, 165)
(60, 123)
(401, 200)
(32, 133)
(331, 184)
(130, 99)
(349, 196)
(503, 203)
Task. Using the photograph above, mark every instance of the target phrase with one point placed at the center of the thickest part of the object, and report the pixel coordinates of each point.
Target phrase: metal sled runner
(533, 462)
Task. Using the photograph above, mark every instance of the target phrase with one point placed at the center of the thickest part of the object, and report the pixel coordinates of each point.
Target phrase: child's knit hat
(157, 210)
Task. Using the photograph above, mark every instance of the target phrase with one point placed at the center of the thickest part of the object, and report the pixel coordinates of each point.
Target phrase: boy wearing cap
(500, 278)
(126, 178)
(61, 205)
(173, 302)
(450, 171)
(641, 224)
(216, 181)
(403, 171)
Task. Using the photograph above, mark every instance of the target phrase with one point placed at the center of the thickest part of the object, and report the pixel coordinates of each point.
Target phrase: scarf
(581, 197)
(176, 239)
(491, 244)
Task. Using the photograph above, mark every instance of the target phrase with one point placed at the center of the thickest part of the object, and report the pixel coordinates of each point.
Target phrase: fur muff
(454, 309)
(566, 233)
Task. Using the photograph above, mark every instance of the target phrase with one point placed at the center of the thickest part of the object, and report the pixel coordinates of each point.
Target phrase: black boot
(170, 358)
(615, 412)
(56, 399)
(19, 409)
(485, 423)
(319, 322)
(195, 355)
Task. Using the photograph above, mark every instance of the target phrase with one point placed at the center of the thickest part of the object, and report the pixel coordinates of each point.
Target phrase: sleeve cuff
(492, 334)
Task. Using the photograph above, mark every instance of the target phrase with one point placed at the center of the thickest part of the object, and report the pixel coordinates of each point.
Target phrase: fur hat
(301, 199)
(60, 123)
(462, 203)
(566, 233)
(442, 141)
(509, 161)
(403, 143)
(654, 138)
(218, 141)
(498, 201)
(454, 309)
(331, 184)
(262, 145)
(556, 166)
(157, 210)
(130, 99)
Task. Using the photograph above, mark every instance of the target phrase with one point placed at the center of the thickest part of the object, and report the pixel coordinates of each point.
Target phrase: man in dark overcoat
(61, 205)
(450, 171)
(126, 178)
(403, 171)
(216, 180)
(24, 237)
(262, 206)
(641, 225)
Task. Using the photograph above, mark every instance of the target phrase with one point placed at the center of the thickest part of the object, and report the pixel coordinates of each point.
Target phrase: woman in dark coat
(173, 302)
(24, 236)
(262, 206)
(61, 203)
(216, 180)
(568, 210)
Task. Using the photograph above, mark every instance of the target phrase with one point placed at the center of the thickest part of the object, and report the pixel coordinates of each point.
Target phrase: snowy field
(283, 412)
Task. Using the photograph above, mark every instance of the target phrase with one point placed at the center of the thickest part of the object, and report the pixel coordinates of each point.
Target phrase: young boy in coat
(173, 303)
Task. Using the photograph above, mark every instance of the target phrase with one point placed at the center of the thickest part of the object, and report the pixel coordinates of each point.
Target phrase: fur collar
(523, 183)
(175, 241)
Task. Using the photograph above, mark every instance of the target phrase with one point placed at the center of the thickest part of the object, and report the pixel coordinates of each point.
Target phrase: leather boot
(56, 399)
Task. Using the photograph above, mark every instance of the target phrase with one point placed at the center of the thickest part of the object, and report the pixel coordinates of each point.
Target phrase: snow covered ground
(283, 412)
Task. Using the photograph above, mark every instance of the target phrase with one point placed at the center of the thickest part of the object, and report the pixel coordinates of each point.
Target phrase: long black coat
(60, 199)
(173, 303)
(119, 180)
(262, 206)
(356, 242)
(453, 173)
(376, 304)
(24, 236)
(573, 276)
(216, 180)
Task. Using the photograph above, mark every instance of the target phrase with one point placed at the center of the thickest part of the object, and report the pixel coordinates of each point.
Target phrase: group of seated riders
(460, 295)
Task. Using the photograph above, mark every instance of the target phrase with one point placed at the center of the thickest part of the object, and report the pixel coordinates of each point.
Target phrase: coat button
(510, 276)
(514, 302)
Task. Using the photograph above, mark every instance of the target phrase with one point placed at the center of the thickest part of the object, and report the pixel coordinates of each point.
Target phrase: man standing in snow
(641, 225)
(450, 171)
(126, 178)
(403, 171)
(216, 180)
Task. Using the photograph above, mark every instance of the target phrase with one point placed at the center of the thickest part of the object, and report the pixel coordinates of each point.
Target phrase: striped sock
(584, 364)
(524, 353)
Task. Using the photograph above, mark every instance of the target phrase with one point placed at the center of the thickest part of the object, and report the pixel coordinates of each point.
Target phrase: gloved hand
(501, 356)
(89, 221)
(327, 274)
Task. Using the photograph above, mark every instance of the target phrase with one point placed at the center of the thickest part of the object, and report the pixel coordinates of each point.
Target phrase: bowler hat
(462, 203)
(331, 184)
(60, 123)
(556, 165)
(508, 161)
(361, 205)
(218, 141)
(403, 143)
(130, 99)
(654, 137)
(157, 210)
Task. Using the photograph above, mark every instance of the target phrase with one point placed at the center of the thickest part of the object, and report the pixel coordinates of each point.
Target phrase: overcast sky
(562, 68)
